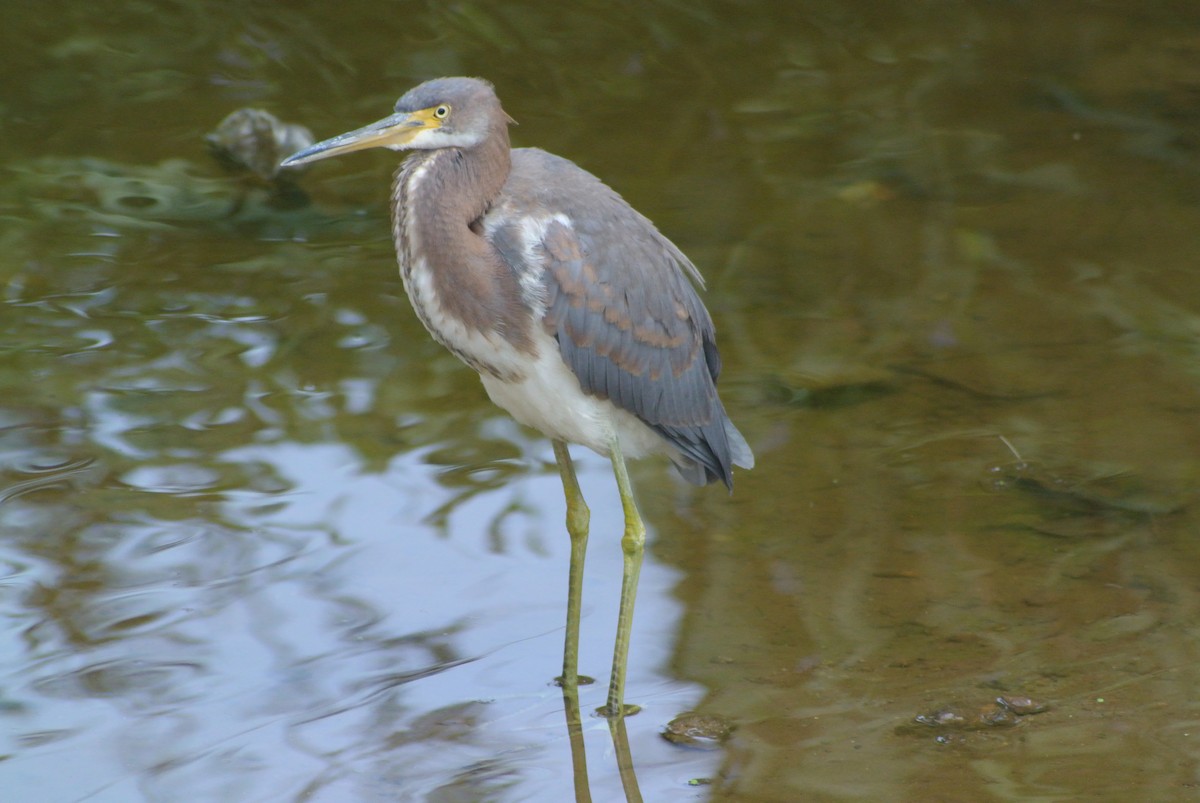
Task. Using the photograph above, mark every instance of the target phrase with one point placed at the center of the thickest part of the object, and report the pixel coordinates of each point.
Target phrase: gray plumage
(618, 300)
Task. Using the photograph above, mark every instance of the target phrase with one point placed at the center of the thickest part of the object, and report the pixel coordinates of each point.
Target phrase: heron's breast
(485, 350)
(439, 285)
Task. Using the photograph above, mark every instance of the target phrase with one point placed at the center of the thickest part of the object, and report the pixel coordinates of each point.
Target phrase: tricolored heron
(577, 313)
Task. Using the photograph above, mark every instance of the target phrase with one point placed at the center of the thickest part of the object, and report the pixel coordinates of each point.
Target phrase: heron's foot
(580, 680)
(627, 710)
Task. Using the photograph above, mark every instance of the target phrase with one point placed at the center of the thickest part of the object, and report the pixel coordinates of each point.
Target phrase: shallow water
(261, 539)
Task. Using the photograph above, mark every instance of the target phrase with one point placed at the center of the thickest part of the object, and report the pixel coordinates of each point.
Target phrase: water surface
(261, 539)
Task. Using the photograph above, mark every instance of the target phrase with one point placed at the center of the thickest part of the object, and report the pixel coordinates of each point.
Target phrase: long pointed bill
(394, 132)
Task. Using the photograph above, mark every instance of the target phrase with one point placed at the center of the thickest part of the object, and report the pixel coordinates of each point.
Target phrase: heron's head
(442, 113)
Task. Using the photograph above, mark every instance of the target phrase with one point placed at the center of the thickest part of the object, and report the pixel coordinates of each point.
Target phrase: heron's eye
(441, 112)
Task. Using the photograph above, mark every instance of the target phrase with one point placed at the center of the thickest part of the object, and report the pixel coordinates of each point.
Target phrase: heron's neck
(457, 282)
(455, 186)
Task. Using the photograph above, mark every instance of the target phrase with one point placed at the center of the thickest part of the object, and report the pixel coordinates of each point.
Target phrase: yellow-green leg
(578, 519)
(632, 545)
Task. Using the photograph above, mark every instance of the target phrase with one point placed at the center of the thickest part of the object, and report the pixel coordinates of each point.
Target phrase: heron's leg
(632, 545)
(578, 517)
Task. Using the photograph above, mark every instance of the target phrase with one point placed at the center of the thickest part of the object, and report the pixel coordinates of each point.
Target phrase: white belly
(550, 400)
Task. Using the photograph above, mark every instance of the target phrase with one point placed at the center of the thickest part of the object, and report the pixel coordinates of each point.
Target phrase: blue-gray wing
(628, 321)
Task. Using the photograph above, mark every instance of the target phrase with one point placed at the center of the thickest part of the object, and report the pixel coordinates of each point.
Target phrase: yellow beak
(394, 132)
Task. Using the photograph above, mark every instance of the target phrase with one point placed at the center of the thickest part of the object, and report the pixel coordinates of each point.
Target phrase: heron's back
(616, 298)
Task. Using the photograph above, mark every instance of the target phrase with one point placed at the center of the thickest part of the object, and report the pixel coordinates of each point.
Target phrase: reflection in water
(620, 738)
(579, 770)
(620, 743)
(260, 540)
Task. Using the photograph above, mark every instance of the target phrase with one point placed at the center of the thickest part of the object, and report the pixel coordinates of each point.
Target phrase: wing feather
(618, 298)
